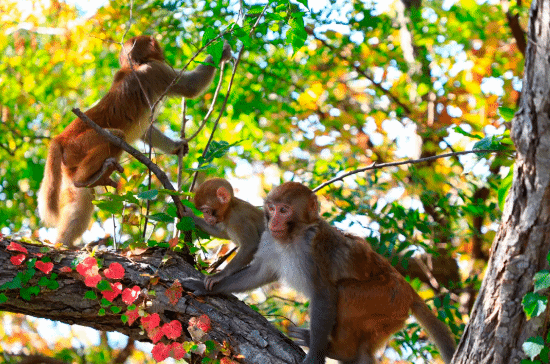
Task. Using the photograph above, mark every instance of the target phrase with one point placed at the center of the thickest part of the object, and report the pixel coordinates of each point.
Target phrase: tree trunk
(247, 332)
(498, 326)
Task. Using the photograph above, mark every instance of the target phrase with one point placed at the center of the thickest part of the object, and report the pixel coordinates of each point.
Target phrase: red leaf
(116, 288)
(92, 281)
(65, 269)
(46, 268)
(130, 295)
(88, 267)
(39, 255)
(177, 351)
(172, 330)
(17, 259)
(160, 352)
(16, 248)
(226, 360)
(174, 292)
(115, 271)
(202, 322)
(173, 242)
(132, 316)
(150, 322)
(155, 334)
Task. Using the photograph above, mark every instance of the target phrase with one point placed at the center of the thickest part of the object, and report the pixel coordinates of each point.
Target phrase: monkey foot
(102, 177)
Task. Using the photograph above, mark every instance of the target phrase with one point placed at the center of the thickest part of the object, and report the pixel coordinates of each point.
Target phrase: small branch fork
(408, 161)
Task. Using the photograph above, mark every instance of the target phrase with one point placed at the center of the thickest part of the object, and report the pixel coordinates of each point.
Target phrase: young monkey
(228, 217)
(79, 157)
(357, 299)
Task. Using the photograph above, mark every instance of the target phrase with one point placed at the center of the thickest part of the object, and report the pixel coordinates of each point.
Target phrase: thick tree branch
(246, 331)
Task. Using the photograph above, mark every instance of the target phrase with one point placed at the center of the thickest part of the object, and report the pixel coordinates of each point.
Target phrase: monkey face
(209, 215)
(279, 217)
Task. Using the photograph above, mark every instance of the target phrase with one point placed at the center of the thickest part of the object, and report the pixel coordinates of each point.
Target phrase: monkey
(228, 217)
(357, 298)
(79, 157)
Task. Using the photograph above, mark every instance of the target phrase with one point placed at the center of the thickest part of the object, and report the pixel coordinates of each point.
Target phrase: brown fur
(228, 217)
(80, 157)
(373, 299)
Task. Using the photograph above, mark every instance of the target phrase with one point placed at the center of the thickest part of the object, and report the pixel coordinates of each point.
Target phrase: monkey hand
(227, 52)
(210, 281)
(102, 177)
(300, 335)
(195, 285)
(180, 146)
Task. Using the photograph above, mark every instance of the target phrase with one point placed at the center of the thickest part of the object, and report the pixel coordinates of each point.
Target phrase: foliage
(318, 91)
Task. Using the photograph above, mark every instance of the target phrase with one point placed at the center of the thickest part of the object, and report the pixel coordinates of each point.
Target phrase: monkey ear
(313, 207)
(224, 196)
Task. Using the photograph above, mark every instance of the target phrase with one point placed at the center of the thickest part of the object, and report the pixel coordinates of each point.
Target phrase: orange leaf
(16, 248)
(44, 267)
(174, 292)
(150, 322)
(160, 352)
(17, 259)
(115, 271)
(172, 330)
(130, 295)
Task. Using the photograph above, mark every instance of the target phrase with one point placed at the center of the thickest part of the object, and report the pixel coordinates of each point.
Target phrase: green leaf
(542, 280)
(44, 281)
(112, 207)
(26, 292)
(52, 285)
(533, 346)
(3, 298)
(186, 224)
(115, 309)
(161, 217)
(91, 295)
(124, 318)
(504, 187)
(459, 130)
(506, 113)
(534, 304)
(101, 312)
(103, 285)
(148, 195)
(105, 303)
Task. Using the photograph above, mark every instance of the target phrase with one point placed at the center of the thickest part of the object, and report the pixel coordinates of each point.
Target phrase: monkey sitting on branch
(228, 217)
(357, 299)
(79, 157)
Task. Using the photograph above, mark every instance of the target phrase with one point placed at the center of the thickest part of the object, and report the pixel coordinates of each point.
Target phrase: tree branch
(247, 332)
(408, 161)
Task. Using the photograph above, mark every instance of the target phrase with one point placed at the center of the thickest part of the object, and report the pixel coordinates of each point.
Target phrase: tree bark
(498, 326)
(247, 332)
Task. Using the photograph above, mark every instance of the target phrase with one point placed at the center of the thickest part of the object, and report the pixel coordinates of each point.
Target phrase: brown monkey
(79, 157)
(228, 217)
(357, 299)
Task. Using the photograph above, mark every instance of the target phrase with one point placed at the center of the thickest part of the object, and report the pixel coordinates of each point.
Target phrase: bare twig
(216, 93)
(222, 259)
(163, 178)
(227, 95)
(408, 161)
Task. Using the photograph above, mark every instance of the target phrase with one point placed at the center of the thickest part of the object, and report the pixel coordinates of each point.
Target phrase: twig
(222, 259)
(163, 178)
(203, 123)
(408, 161)
(227, 95)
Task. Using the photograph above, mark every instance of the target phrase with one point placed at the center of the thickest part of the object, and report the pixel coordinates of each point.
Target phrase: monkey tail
(438, 331)
(48, 195)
